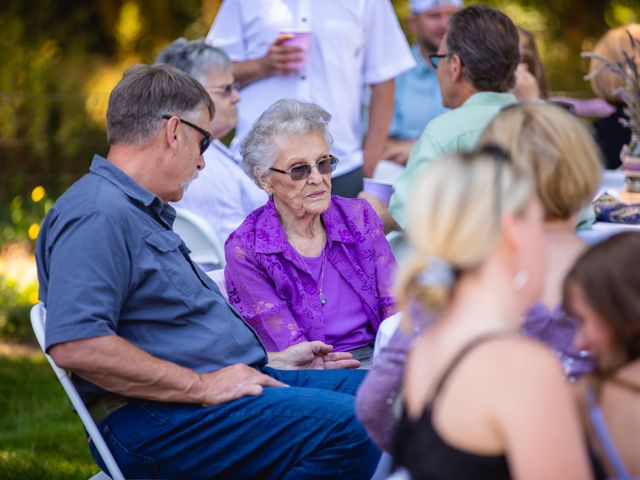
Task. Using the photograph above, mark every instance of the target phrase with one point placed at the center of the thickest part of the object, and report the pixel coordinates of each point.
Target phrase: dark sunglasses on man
(435, 59)
(205, 142)
(299, 172)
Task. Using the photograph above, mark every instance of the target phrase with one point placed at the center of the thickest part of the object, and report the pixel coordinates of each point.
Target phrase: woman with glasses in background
(307, 265)
(222, 194)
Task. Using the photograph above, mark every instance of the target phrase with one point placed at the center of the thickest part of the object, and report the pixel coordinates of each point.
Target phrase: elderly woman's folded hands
(315, 355)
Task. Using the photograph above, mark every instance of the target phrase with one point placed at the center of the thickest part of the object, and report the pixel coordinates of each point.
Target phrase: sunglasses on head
(299, 172)
(205, 142)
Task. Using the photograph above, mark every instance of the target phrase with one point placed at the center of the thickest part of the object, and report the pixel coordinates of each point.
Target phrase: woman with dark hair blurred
(601, 291)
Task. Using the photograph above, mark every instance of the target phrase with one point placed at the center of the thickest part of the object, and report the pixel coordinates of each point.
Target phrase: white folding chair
(205, 244)
(38, 320)
(218, 277)
(399, 245)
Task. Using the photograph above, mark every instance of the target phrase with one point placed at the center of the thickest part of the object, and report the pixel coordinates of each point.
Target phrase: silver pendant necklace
(320, 283)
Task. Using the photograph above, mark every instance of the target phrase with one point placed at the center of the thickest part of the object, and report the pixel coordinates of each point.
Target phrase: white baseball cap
(419, 6)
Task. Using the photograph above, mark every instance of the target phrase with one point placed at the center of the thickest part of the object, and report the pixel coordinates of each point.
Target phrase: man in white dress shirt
(222, 194)
(353, 44)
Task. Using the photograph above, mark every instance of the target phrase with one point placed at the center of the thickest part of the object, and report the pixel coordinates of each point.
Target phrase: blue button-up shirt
(109, 264)
(417, 99)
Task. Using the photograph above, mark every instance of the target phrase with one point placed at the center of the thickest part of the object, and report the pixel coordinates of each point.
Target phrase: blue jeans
(306, 431)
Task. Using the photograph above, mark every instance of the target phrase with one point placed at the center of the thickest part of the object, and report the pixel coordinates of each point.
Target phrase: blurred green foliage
(40, 435)
(58, 62)
(60, 58)
(15, 303)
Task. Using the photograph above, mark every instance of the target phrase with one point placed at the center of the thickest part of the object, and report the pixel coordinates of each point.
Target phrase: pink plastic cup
(378, 188)
(301, 40)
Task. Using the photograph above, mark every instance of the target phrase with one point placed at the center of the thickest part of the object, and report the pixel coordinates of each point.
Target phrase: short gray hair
(195, 58)
(146, 93)
(285, 118)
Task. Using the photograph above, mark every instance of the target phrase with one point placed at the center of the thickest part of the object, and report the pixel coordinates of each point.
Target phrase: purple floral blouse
(557, 329)
(272, 289)
(378, 392)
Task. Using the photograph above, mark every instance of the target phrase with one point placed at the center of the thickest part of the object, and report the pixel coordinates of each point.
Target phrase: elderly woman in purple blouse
(307, 265)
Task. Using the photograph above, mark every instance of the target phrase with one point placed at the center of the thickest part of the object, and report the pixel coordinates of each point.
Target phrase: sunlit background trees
(60, 58)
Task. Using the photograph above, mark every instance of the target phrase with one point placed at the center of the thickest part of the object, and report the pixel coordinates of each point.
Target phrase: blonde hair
(558, 149)
(454, 216)
(612, 47)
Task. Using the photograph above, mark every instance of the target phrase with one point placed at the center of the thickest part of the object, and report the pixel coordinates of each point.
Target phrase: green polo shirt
(458, 129)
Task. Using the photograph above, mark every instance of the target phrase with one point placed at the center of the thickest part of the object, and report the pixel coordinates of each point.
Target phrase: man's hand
(279, 60)
(382, 209)
(398, 150)
(233, 382)
(279, 57)
(526, 88)
(311, 356)
(120, 367)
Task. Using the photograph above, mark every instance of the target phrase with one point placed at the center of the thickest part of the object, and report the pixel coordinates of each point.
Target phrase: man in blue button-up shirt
(173, 376)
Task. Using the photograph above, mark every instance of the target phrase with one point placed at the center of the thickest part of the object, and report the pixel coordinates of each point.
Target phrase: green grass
(40, 435)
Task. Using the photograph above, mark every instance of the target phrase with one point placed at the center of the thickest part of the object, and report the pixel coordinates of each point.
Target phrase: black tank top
(420, 449)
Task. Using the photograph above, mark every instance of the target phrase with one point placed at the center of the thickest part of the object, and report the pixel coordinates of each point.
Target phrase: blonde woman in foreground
(481, 401)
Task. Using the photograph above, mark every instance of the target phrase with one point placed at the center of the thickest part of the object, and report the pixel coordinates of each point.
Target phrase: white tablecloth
(601, 230)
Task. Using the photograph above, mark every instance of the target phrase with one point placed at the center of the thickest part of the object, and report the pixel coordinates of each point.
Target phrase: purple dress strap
(602, 432)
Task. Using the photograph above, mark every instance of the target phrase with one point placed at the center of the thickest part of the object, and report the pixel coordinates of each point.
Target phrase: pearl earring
(520, 279)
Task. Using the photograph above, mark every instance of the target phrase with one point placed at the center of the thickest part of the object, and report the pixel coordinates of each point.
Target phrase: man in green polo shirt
(475, 65)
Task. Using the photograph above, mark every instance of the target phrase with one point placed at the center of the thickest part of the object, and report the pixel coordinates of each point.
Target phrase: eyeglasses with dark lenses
(435, 59)
(205, 142)
(226, 90)
(299, 172)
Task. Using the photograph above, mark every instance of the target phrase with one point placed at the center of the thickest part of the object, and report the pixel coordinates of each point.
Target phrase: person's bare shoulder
(520, 359)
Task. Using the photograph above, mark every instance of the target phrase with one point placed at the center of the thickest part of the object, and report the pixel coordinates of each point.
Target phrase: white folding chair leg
(100, 476)
(38, 320)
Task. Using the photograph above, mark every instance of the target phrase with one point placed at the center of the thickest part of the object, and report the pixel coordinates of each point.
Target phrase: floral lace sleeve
(385, 264)
(252, 292)
(378, 392)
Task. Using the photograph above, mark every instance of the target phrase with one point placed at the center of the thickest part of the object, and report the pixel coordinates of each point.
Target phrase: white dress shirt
(222, 194)
(353, 43)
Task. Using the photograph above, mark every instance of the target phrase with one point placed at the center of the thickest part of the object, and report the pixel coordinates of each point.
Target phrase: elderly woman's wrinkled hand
(526, 88)
(315, 355)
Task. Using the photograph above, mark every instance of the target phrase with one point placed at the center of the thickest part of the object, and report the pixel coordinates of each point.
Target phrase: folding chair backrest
(205, 244)
(218, 277)
(38, 320)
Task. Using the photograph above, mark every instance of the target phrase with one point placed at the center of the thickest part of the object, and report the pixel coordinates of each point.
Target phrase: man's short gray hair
(146, 93)
(195, 58)
(285, 118)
